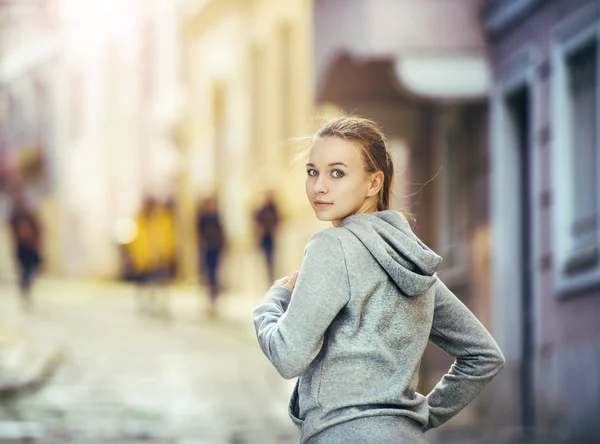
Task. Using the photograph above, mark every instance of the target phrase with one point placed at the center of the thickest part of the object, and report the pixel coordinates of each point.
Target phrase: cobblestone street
(128, 377)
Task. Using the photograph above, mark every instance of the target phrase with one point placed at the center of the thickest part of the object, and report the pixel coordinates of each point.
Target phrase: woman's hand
(288, 282)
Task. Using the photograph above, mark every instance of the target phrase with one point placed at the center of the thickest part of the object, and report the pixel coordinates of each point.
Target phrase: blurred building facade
(28, 62)
(169, 99)
(247, 74)
(420, 70)
(94, 86)
(545, 160)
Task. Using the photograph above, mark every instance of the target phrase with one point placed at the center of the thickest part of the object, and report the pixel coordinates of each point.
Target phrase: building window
(576, 153)
(582, 91)
(76, 107)
(147, 61)
(401, 157)
(286, 85)
(452, 237)
(112, 77)
(451, 188)
(257, 62)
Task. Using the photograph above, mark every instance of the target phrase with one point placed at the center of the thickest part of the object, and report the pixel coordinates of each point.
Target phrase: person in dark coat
(211, 240)
(26, 239)
(267, 220)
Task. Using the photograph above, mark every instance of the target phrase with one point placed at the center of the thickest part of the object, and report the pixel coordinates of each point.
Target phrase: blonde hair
(370, 138)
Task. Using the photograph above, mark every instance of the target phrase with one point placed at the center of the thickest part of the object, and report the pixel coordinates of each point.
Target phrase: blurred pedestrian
(26, 237)
(266, 221)
(211, 239)
(167, 236)
(149, 260)
(354, 322)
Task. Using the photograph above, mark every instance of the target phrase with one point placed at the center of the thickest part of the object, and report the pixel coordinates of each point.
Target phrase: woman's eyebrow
(331, 164)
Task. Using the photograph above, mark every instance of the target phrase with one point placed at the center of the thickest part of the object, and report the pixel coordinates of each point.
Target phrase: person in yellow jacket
(164, 226)
(151, 253)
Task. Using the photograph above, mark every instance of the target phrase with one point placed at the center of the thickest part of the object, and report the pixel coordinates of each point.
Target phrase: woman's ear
(376, 184)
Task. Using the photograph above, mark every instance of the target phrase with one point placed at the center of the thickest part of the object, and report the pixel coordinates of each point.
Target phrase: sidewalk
(28, 358)
(184, 375)
(26, 361)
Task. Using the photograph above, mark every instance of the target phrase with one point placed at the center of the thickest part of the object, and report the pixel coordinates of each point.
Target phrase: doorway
(518, 106)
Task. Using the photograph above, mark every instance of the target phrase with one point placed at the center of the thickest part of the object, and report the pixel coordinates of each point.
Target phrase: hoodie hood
(389, 238)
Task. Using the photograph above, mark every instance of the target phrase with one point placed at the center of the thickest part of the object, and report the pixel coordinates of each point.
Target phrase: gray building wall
(565, 325)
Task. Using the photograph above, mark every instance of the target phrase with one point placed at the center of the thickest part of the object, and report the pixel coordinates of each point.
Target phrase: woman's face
(337, 184)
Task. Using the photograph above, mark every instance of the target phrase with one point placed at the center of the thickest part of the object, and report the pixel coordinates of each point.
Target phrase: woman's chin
(321, 217)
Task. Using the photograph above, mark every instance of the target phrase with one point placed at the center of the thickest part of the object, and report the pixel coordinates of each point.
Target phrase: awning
(350, 80)
(445, 77)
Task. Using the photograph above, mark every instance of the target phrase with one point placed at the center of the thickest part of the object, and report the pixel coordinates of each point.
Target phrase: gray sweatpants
(375, 429)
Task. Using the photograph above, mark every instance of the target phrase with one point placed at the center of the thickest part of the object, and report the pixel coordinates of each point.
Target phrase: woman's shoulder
(332, 238)
(326, 250)
(330, 233)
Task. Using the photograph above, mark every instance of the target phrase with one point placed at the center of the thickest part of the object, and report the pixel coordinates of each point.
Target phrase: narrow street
(129, 377)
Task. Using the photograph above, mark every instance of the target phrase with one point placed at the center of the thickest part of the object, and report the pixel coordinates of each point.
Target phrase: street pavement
(126, 376)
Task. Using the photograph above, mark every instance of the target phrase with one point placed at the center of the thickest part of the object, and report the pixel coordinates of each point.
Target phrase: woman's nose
(320, 185)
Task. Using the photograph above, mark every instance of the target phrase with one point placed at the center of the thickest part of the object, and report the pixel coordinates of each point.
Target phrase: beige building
(114, 137)
(248, 98)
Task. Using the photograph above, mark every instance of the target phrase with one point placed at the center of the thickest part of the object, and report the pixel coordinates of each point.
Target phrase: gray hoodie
(366, 302)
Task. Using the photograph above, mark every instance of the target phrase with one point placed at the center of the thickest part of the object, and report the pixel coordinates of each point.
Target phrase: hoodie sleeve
(290, 329)
(478, 358)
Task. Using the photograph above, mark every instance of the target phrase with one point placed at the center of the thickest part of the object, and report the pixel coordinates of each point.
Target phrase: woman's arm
(478, 358)
(290, 330)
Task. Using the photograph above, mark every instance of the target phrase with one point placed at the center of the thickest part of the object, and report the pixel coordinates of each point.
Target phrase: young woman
(353, 323)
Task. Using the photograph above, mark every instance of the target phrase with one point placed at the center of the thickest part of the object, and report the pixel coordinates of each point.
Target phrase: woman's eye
(337, 173)
(311, 172)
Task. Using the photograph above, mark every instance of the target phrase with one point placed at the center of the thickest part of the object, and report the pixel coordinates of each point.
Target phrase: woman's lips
(320, 204)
